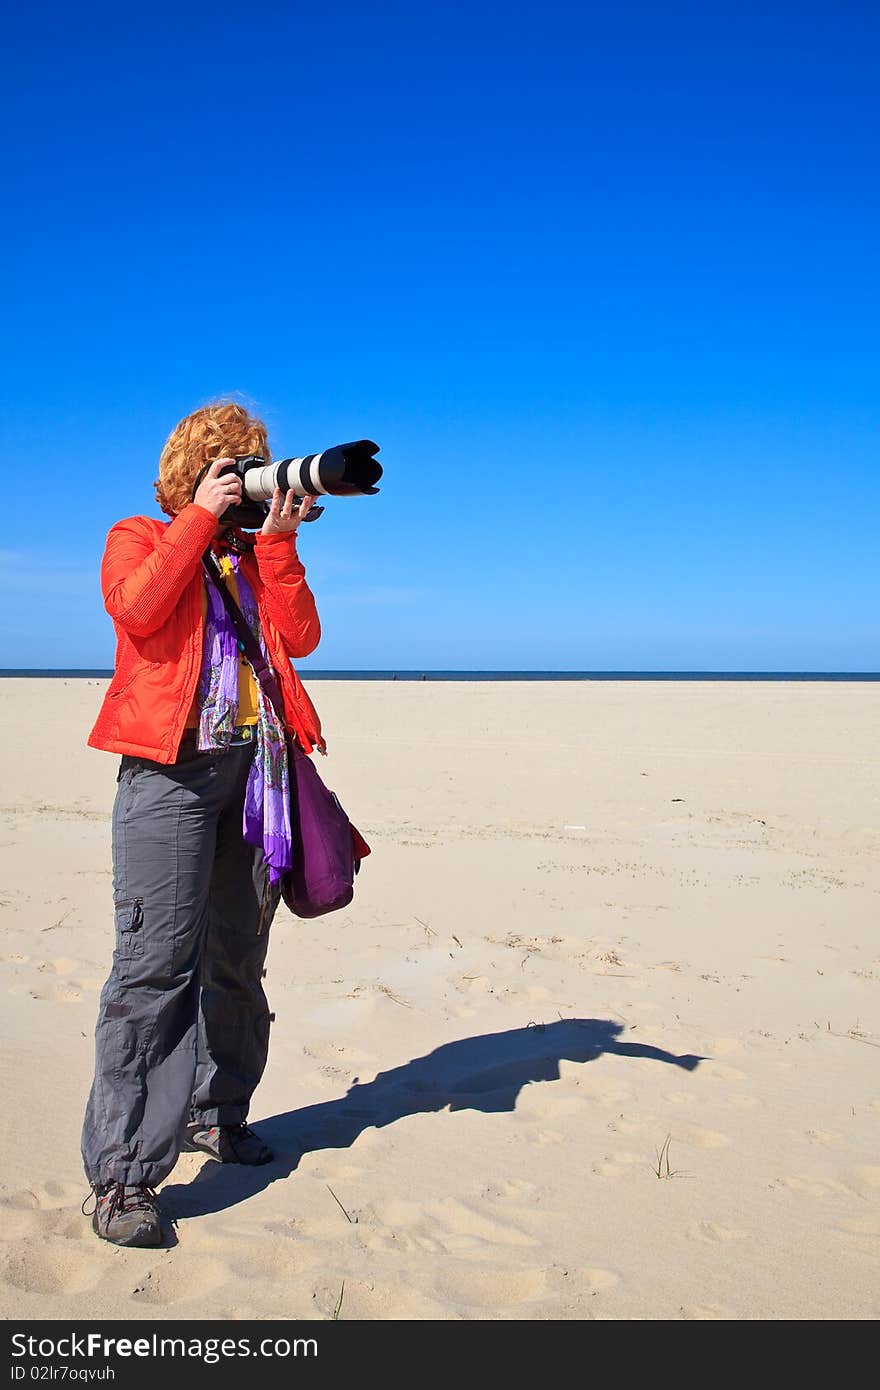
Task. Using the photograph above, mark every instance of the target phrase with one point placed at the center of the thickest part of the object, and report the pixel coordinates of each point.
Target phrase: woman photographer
(200, 829)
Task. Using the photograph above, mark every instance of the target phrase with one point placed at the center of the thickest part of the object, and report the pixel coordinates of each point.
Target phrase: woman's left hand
(283, 516)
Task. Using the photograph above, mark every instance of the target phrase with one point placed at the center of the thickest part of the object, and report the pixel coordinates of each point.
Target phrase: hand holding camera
(283, 517)
(216, 494)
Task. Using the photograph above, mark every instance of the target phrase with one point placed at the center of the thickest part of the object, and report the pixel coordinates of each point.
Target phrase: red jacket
(152, 579)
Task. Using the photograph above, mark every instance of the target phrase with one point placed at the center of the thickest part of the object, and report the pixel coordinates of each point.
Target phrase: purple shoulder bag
(327, 849)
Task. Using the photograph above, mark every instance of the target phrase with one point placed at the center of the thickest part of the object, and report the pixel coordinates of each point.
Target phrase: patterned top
(266, 820)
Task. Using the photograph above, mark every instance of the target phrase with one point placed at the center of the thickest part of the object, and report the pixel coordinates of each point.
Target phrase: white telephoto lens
(315, 474)
(311, 465)
(259, 483)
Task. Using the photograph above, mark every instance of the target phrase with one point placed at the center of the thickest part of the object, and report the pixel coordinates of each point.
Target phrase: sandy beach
(598, 1037)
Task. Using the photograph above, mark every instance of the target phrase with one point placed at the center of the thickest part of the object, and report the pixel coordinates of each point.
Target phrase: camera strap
(247, 642)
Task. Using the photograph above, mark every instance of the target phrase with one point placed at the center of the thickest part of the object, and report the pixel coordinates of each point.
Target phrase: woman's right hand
(216, 494)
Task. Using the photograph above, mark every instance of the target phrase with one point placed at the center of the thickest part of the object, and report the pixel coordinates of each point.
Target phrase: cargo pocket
(129, 927)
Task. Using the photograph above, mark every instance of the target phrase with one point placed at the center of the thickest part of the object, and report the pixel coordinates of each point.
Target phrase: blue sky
(601, 280)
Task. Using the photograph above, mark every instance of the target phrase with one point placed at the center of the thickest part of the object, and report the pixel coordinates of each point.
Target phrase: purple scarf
(266, 821)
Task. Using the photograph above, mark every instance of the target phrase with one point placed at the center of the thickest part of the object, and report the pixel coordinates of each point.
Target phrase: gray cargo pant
(183, 1023)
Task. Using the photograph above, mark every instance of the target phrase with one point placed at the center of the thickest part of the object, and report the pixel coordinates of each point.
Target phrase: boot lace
(122, 1198)
(239, 1131)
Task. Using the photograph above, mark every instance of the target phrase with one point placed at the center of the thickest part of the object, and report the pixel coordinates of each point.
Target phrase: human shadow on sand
(484, 1073)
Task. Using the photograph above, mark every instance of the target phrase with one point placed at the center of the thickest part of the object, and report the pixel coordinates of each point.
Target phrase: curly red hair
(216, 431)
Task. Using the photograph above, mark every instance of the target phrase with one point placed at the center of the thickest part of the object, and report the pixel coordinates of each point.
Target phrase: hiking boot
(127, 1215)
(228, 1143)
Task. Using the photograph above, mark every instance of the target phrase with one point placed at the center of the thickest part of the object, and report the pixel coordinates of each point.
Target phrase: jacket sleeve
(289, 601)
(142, 579)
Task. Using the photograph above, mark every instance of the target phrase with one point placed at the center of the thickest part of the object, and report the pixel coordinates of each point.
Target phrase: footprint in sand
(338, 1053)
(186, 1279)
(244, 1312)
(491, 1288)
(44, 1197)
(471, 984)
(542, 1137)
(400, 1243)
(604, 1169)
(865, 1180)
(720, 1071)
(450, 1224)
(557, 1108)
(533, 994)
(515, 1189)
(463, 1219)
(287, 1228)
(42, 1224)
(462, 1013)
(861, 1233)
(56, 1193)
(56, 994)
(331, 1225)
(580, 1282)
(707, 1312)
(618, 1165)
(398, 1213)
(812, 1187)
(716, 1232)
(54, 1268)
(269, 1259)
(624, 1126)
(365, 1299)
(336, 1076)
(678, 1098)
(604, 1092)
(62, 965)
(829, 1139)
(332, 1080)
(73, 1227)
(698, 1138)
(338, 1168)
(18, 1223)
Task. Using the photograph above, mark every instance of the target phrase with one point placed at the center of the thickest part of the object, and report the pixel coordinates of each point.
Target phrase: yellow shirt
(248, 704)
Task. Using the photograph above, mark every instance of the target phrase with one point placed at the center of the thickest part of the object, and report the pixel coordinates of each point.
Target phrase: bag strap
(247, 642)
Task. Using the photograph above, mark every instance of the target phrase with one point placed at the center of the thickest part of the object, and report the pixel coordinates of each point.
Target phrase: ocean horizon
(103, 673)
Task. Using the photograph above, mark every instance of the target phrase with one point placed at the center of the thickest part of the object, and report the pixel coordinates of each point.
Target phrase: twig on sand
(338, 1307)
(387, 990)
(661, 1168)
(61, 919)
(351, 1219)
(856, 1034)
